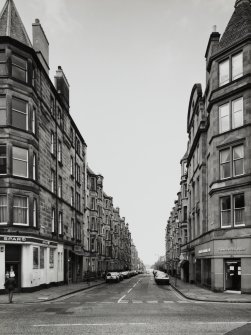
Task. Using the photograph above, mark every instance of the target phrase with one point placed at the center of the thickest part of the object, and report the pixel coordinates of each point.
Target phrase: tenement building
(218, 249)
(56, 223)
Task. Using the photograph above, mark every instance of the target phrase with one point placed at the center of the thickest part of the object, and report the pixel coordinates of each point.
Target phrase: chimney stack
(41, 44)
(62, 86)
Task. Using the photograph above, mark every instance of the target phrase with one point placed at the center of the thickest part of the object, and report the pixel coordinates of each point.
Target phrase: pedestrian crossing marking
(137, 302)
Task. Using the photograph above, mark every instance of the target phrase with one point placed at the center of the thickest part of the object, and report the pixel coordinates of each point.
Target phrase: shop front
(224, 265)
(35, 262)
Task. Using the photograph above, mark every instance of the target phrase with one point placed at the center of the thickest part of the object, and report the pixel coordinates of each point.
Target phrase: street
(133, 306)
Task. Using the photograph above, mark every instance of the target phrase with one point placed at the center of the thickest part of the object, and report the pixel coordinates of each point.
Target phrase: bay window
(231, 69)
(239, 208)
(238, 160)
(20, 162)
(20, 210)
(3, 208)
(224, 72)
(231, 115)
(237, 66)
(3, 159)
(232, 210)
(19, 114)
(19, 68)
(232, 162)
(2, 111)
(225, 163)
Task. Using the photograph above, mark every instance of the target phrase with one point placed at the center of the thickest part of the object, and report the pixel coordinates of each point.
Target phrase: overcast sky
(131, 65)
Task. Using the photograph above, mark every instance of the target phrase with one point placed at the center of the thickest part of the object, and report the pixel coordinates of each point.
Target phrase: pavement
(193, 292)
(49, 294)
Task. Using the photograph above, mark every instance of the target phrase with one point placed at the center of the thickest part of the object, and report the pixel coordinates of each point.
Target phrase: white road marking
(137, 302)
(92, 324)
(129, 290)
(152, 302)
(222, 322)
(168, 302)
(75, 302)
(121, 299)
(106, 302)
(183, 302)
(123, 302)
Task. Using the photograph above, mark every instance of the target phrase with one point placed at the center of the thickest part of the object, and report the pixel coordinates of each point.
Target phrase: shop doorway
(233, 275)
(13, 262)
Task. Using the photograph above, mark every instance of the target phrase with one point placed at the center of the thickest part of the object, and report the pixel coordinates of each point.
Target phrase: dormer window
(231, 69)
(19, 68)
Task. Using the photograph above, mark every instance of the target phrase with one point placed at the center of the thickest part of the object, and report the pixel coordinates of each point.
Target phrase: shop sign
(204, 251)
(232, 249)
(23, 239)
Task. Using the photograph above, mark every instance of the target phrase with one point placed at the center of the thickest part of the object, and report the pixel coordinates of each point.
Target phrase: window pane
(3, 159)
(42, 249)
(18, 61)
(225, 156)
(224, 118)
(20, 210)
(239, 201)
(35, 257)
(237, 66)
(20, 161)
(237, 113)
(225, 170)
(238, 152)
(19, 105)
(3, 208)
(224, 72)
(225, 203)
(20, 153)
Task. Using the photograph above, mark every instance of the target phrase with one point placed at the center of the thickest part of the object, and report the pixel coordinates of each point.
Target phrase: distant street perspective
(176, 155)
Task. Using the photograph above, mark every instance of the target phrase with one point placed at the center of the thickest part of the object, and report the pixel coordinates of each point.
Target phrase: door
(233, 275)
(13, 262)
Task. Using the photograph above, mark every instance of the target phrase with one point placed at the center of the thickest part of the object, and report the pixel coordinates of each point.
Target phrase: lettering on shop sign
(14, 238)
(203, 251)
(232, 249)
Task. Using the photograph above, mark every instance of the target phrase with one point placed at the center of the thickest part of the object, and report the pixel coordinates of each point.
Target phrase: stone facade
(219, 163)
(56, 223)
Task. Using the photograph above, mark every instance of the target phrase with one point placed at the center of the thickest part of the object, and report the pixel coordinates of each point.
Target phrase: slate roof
(11, 24)
(239, 25)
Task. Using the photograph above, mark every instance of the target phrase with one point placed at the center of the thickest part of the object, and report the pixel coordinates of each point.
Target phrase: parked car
(125, 274)
(112, 277)
(162, 278)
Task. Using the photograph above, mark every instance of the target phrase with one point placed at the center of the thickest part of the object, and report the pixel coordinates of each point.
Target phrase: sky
(131, 65)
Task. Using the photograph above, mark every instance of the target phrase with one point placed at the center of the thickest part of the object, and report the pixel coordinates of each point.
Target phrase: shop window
(3, 159)
(20, 210)
(2, 111)
(41, 257)
(51, 258)
(3, 208)
(20, 162)
(35, 257)
(19, 68)
(19, 114)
